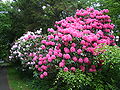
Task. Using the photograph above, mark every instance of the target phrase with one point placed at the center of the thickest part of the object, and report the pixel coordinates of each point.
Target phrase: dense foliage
(41, 13)
(5, 30)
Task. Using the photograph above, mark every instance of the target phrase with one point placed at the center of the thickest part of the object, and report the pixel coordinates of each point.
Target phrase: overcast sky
(7, 0)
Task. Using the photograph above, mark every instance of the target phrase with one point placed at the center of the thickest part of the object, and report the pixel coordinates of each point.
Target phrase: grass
(4, 64)
(17, 81)
(23, 81)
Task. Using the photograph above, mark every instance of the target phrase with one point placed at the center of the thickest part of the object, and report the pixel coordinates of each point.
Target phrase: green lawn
(24, 81)
(16, 82)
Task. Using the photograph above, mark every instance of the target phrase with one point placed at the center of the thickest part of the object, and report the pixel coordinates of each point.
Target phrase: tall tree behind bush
(34, 14)
(5, 29)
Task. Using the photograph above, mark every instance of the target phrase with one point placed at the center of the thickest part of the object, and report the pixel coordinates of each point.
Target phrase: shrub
(71, 45)
(107, 79)
(111, 54)
(75, 39)
(111, 69)
(79, 50)
(87, 81)
(24, 46)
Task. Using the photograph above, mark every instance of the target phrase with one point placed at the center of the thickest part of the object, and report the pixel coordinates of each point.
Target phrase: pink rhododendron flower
(83, 47)
(40, 62)
(82, 42)
(40, 59)
(93, 66)
(107, 30)
(66, 56)
(41, 76)
(49, 53)
(43, 47)
(49, 59)
(86, 32)
(66, 50)
(73, 69)
(50, 43)
(66, 43)
(72, 49)
(44, 62)
(92, 70)
(86, 60)
(90, 49)
(95, 44)
(79, 51)
(34, 54)
(36, 66)
(80, 60)
(60, 55)
(74, 59)
(112, 36)
(61, 64)
(63, 61)
(44, 58)
(51, 49)
(39, 69)
(44, 67)
(43, 41)
(35, 58)
(30, 54)
(56, 38)
(50, 30)
(26, 38)
(75, 34)
(40, 55)
(69, 37)
(82, 68)
(53, 57)
(50, 37)
(55, 53)
(65, 69)
(73, 45)
(59, 45)
(45, 73)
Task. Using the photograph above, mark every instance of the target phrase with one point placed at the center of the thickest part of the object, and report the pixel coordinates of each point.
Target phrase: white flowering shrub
(25, 46)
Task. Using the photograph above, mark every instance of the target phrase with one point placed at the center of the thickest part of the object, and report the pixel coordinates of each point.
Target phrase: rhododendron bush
(70, 45)
(26, 46)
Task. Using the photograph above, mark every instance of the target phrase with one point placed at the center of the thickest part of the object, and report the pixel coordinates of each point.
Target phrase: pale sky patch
(7, 0)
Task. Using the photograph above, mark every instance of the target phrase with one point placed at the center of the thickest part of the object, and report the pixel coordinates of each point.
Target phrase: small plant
(87, 81)
(111, 54)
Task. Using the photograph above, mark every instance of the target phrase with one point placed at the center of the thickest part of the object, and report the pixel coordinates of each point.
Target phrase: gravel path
(3, 79)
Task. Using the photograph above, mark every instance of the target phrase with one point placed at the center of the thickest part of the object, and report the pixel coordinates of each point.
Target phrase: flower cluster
(72, 44)
(24, 45)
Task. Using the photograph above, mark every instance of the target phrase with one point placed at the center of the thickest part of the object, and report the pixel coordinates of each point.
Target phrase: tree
(5, 29)
(35, 14)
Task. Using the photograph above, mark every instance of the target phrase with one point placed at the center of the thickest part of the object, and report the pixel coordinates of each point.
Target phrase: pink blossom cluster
(75, 40)
(72, 44)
